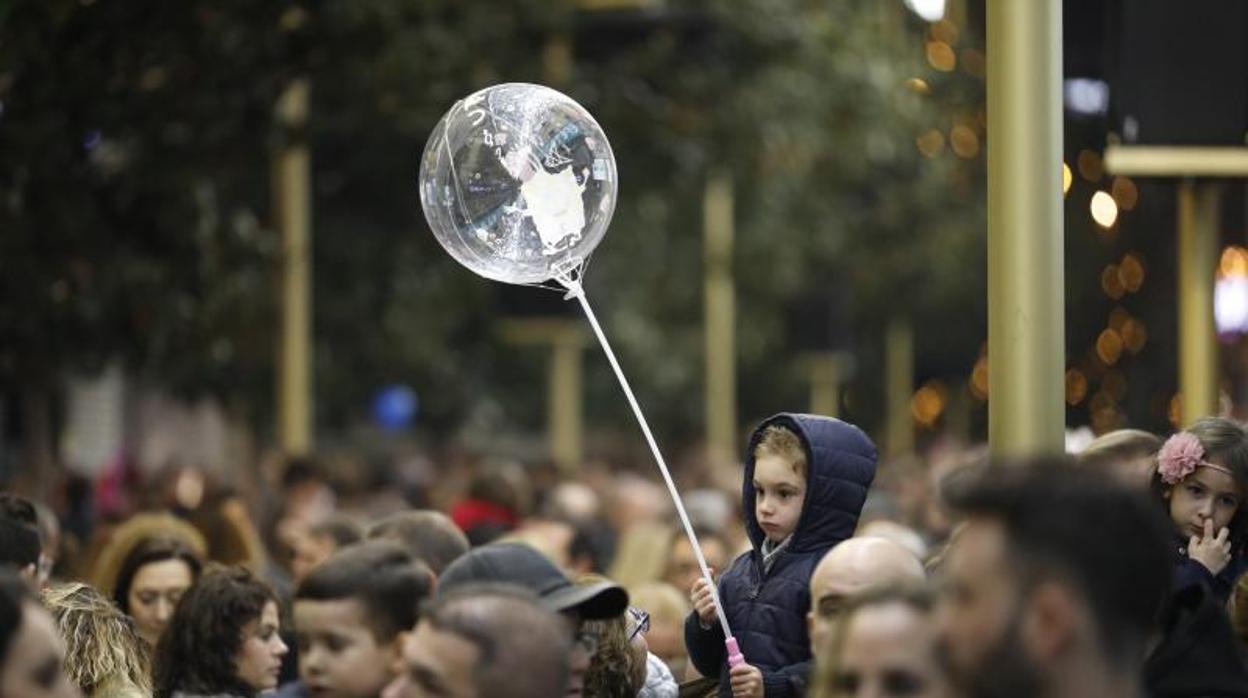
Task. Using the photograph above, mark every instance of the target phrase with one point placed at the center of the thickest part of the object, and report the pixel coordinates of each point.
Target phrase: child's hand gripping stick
(735, 657)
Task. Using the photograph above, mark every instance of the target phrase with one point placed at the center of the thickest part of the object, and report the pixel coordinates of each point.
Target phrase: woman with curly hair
(104, 654)
(620, 665)
(223, 639)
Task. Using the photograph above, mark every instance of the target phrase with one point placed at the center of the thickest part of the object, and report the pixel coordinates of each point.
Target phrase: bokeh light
(1131, 272)
(964, 142)
(931, 143)
(1090, 166)
(1076, 386)
(1104, 210)
(929, 403)
(941, 56)
(1109, 347)
(1125, 193)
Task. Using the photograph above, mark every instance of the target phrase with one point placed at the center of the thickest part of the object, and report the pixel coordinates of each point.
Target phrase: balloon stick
(576, 290)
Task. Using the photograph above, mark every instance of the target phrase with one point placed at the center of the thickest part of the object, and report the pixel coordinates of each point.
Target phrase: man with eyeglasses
(520, 565)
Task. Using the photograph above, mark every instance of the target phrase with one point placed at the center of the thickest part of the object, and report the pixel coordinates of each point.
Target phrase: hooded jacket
(766, 610)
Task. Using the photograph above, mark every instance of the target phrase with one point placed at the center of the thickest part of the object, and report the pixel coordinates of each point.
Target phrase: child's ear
(1165, 494)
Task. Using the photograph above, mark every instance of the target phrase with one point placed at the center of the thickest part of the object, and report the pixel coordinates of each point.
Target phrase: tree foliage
(136, 139)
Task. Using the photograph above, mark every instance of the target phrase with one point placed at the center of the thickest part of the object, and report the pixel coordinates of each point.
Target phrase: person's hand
(746, 681)
(703, 601)
(1214, 552)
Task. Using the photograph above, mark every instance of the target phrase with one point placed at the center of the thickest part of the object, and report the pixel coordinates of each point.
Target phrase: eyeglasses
(641, 622)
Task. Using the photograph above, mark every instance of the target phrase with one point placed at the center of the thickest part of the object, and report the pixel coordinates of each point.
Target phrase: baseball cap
(521, 565)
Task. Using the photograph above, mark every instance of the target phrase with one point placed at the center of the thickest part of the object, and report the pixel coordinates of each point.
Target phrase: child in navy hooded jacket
(806, 478)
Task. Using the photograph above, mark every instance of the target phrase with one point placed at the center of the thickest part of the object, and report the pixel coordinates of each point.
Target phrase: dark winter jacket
(767, 610)
(1189, 572)
(1199, 654)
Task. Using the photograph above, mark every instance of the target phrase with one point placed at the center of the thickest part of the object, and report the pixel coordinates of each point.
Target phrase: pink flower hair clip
(1180, 456)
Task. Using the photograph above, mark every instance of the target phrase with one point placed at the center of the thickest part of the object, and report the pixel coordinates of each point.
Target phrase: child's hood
(840, 467)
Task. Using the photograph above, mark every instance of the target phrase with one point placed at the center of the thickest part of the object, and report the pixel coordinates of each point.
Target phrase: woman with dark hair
(151, 580)
(223, 639)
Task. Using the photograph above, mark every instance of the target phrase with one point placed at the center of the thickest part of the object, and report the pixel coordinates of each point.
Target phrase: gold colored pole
(720, 309)
(1026, 327)
(566, 406)
(899, 381)
(1198, 257)
(565, 399)
(291, 187)
(827, 372)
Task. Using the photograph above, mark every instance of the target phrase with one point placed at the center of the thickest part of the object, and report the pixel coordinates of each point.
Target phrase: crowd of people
(1117, 571)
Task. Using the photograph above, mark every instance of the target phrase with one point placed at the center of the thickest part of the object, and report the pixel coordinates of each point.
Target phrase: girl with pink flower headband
(1201, 480)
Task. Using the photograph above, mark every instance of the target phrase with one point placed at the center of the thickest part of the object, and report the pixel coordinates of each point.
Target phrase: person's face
(980, 614)
(435, 664)
(830, 588)
(889, 652)
(1205, 495)
(310, 551)
(154, 593)
(978, 596)
(339, 657)
(778, 498)
(666, 640)
(682, 565)
(259, 660)
(33, 668)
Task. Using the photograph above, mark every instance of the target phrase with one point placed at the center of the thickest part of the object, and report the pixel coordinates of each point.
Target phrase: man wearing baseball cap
(520, 565)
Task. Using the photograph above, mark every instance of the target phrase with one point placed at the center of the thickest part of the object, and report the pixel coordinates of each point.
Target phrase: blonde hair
(129, 535)
(782, 442)
(641, 555)
(1119, 445)
(104, 654)
(662, 601)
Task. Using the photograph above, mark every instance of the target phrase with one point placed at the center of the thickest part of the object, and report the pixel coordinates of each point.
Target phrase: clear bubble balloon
(518, 183)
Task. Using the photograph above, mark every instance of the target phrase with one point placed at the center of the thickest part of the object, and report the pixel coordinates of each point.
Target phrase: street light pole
(1026, 327)
(293, 215)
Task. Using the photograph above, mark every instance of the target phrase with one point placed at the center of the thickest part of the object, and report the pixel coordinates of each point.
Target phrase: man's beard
(1004, 671)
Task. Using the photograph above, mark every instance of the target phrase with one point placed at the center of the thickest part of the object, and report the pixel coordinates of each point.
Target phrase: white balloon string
(575, 289)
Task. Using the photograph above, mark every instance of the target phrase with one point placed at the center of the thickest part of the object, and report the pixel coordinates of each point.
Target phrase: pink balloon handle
(735, 657)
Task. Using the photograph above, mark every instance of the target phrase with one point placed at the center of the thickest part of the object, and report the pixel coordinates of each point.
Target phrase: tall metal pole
(1198, 257)
(293, 213)
(1026, 327)
(567, 401)
(720, 309)
(899, 385)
